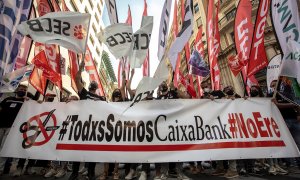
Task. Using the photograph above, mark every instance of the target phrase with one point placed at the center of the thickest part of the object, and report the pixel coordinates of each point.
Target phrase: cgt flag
(67, 29)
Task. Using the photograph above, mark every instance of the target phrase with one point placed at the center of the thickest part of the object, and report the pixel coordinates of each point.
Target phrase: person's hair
(260, 92)
(112, 96)
(22, 85)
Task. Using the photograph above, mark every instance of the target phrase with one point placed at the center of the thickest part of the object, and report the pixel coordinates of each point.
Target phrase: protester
(9, 109)
(83, 95)
(290, 113)
(174, 169)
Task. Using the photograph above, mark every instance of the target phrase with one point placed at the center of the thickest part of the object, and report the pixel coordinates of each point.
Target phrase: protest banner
(151, 131)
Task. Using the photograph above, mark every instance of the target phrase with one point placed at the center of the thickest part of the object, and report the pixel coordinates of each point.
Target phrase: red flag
(184, 81)
(52, 51)
(243, 33)
(213, 43)
(73, 61)
(120, 70)
(40, 61)
(175, 26)
(243, 30)
(258, 58)
(129, 17)
(200, 48)
(92, 71)
(124, 62)
(146, 64)
(235, 63)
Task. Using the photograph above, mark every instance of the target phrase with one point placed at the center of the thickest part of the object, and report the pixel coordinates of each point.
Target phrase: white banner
(163, 29)
(273, 70)
(118, 39)
(141, 40)
(67, 29)
(290, 65)
(11, 81)
(151, 131)
(112, 11)
(286, 21)
(183, 36)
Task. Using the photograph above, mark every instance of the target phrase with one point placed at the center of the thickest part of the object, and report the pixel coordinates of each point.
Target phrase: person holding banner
(290, 113)
(84, 95)
(9, 108)
(175, 169)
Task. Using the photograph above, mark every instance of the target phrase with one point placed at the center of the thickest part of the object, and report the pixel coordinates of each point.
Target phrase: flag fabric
(243, 32)
(258, 57)
(175, 27)
(273, 70)
(183, 36)
(199, 66)
(146, 64)
(163, 28)
(92, 71)
(112, 11)
(118, 39)
(40, 61)
(10, 81)
(124, 64)
(185, 82)
(200, 48)
(73, 61)
(12, 13)
(213, 43)
(25, 47)
(51, 50)
(71, 34)
(290, 65)
(36, 79)
(141, 39)
(235, 63)
(286, 21)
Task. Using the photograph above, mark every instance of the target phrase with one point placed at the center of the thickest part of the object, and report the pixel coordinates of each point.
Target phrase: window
(73, 5)
(97, 18)
(101, 2)
(98, 51)
(94, 27)
(196, 8)
(91, 4)
(99, 9)
(86, 10)
(199, 22)
(92, 40)
(230, 14)
(232, 36)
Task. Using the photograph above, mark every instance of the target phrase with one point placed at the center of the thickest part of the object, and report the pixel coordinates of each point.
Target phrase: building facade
(226, 26)
(105, 70)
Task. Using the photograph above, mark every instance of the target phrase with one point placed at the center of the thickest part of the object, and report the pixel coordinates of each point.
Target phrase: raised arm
(78, 77)
(128, 84)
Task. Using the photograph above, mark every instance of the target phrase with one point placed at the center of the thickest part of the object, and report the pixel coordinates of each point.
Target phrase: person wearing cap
(85, 95)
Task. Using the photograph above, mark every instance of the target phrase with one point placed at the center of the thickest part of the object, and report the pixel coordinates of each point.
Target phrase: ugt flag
(67, 29)
(199, 67)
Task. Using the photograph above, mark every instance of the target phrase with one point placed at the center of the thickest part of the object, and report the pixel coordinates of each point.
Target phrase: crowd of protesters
(230, 169)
